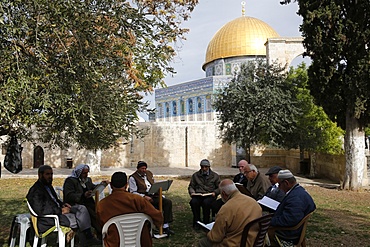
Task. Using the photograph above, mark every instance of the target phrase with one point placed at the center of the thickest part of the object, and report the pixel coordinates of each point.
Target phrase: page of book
(207, 226)
(268, 202)
(100, 187)
(204, 194)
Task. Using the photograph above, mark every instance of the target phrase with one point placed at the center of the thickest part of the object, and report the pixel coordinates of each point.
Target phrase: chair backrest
(129, 228)
(302, 223)
(263, 224)
(34, 217)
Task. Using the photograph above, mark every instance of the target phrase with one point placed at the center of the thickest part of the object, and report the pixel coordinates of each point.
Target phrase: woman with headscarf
(78, 189)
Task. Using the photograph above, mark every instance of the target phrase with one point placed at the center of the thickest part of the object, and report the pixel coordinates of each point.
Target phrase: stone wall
(184, 144)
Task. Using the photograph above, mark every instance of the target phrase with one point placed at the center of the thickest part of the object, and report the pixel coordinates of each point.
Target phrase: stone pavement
(163, 172)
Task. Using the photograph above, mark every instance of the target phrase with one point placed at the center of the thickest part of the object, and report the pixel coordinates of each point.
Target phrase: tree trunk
(355, 154)
(312, 165)
(93, 158)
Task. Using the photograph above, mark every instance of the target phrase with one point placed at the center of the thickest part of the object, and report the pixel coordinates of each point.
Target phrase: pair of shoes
(168, 231)
(93, 241)
(70, 235)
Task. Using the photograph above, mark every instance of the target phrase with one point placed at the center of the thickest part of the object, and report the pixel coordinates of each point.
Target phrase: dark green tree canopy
(73, 70)
(257, 106)
(337, 38)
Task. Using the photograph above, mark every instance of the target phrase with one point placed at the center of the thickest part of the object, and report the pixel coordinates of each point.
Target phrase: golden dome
(244, 36)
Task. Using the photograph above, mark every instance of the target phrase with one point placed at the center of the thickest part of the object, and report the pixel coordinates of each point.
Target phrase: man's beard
(46, 182)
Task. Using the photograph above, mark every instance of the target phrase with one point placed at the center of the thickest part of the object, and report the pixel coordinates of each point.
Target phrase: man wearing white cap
(296, 204)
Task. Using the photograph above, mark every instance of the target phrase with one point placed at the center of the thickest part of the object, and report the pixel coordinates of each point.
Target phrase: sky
(209, 16)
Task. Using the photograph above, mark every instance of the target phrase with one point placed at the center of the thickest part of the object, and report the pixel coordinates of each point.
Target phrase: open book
(207, 226)
(100, 187)
(243, 190)
(165, 185)
(202, 194)
(268, 202)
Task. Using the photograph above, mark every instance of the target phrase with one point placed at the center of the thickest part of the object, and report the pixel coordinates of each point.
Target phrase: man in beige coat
(237, 211)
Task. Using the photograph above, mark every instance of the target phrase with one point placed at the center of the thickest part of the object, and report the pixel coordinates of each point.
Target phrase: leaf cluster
(73, 70)
(337, 38)
(314, 130)
(258, 106)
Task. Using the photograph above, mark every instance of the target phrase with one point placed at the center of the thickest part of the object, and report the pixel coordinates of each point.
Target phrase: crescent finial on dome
(243, 8)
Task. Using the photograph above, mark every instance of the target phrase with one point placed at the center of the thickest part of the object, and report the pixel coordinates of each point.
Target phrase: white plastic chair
(129, 228)
(21, 223)
(57, 228)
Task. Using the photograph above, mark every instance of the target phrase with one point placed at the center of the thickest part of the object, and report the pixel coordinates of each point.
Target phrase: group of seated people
(78, 210)
(234, 210)
(130, 195)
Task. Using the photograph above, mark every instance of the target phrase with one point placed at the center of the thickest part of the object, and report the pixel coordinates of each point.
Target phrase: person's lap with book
(140, 183)
(78, 189)
(203, 189)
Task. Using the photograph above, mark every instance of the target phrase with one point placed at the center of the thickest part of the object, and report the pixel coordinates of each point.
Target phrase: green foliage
(314, 131)
(336, 36)
(258, 106)
(73, 70)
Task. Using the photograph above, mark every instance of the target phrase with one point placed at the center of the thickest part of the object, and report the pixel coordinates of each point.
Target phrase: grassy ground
(342, 218)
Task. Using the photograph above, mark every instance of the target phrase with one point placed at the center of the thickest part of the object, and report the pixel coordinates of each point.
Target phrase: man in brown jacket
(140, 183)
(257, 182)
(237, 211)
(123, 202)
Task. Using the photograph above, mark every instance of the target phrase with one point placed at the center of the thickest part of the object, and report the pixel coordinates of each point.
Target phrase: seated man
(273, 191)
(204, 181)
(257, 183)
(238, 178)
(296, 204)
(140, 183)
(123, 202)
(44, 200)
(77, 189)
(237, 212)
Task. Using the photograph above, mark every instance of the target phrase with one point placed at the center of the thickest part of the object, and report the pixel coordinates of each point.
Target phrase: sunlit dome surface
(244, 36)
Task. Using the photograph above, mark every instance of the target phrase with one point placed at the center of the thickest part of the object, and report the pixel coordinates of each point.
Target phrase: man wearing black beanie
(140, 183)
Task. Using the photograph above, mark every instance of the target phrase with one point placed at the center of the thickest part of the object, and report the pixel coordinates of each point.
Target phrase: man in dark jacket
(273, 191)
(296, 204)
(78, 188)
(203, 189)
(44, 200)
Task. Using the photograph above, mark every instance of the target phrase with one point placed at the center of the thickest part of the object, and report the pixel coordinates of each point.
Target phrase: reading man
(140, 183)
(203, 189)
(78, 188)
(237, 212)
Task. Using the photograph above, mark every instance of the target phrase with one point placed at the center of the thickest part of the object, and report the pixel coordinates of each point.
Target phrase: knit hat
(205, 162)
(285, 174)
(118, 180)
(273, 170)
(141, 163)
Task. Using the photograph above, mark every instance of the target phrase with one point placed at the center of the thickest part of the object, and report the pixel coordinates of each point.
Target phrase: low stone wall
(331, 166)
